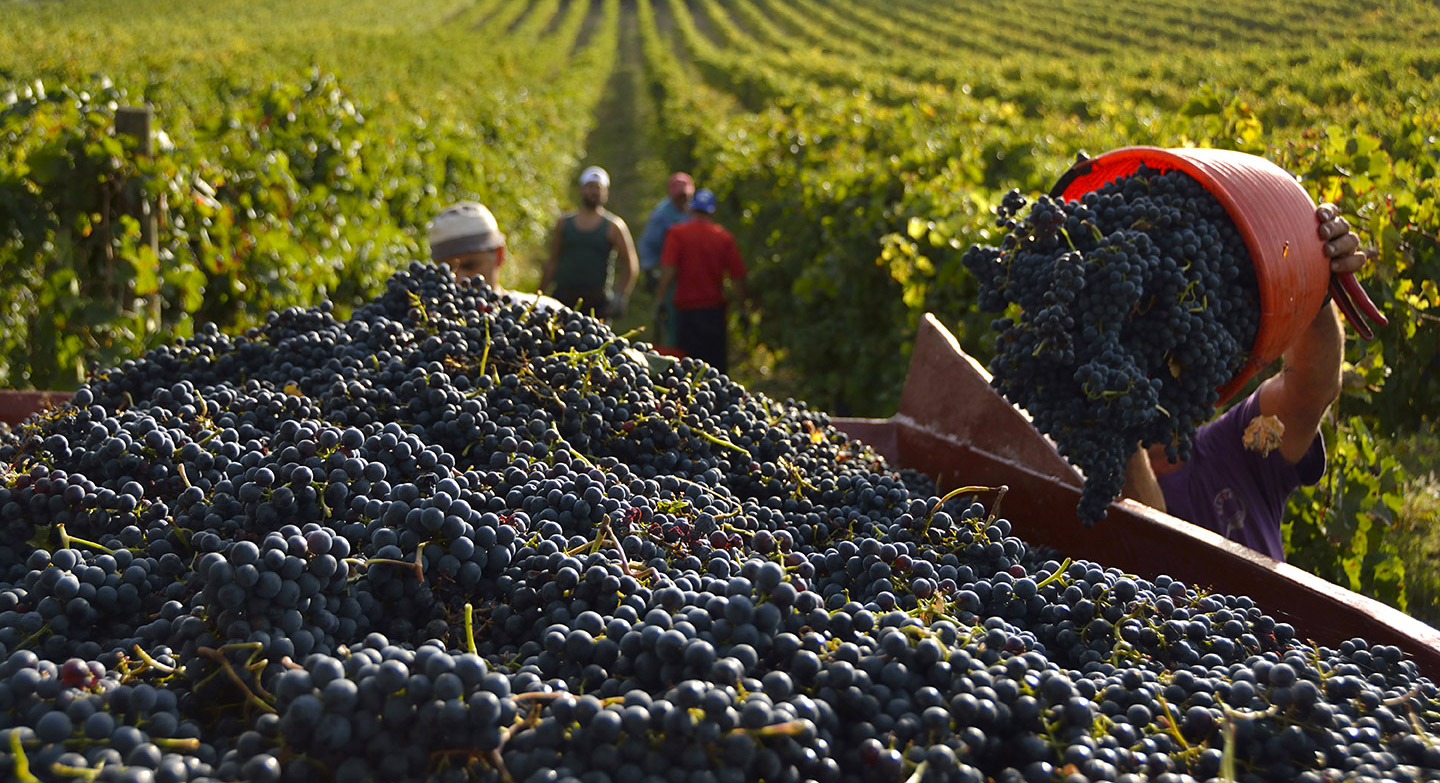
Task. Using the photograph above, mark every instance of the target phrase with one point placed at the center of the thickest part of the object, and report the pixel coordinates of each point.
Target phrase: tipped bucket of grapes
(1147, 288)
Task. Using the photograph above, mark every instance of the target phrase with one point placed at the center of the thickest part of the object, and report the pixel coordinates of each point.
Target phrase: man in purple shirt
(1233, 490)
(1230, 488)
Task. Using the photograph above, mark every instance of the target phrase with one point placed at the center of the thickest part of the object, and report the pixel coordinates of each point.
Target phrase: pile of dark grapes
(458, 538)
(1125, 312)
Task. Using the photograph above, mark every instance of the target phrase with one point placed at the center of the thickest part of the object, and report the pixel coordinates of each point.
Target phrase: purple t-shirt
(1234, 491)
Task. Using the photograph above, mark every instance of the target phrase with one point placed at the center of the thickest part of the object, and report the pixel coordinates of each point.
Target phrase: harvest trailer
(953, 427)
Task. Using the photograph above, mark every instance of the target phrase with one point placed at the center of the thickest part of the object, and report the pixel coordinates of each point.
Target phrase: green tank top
(584, 263)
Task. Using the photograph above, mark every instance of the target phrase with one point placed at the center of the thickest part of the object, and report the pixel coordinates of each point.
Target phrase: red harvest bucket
(1274, 215)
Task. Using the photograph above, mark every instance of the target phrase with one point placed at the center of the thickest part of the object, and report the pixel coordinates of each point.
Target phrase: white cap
(595, 174)
(463, 228)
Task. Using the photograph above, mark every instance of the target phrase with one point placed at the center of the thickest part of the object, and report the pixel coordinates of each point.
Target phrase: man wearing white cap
(578, 271)
(466, 238)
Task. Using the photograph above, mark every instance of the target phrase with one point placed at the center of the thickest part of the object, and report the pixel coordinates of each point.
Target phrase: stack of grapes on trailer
(458, 537)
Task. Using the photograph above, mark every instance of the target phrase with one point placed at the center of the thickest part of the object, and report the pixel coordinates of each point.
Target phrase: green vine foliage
(1337, 528)
(1386, 178)
(1350, 528)
(283, 194)
(82, 284)
(294, 160)
(296, 206)
(267, 220)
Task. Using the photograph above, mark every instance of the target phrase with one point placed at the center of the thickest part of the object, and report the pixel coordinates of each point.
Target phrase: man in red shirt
(697, 257)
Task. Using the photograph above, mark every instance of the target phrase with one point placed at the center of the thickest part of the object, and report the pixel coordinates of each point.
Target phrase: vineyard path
(622, 142)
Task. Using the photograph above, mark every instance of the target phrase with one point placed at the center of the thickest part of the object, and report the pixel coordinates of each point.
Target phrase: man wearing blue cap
(582, 245)
(698, 255)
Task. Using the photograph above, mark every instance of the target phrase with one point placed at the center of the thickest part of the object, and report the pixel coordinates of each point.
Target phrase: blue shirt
(1234, 491)
(652, 242)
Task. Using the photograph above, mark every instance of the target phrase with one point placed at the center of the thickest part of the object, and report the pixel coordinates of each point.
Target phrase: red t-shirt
(703, 254)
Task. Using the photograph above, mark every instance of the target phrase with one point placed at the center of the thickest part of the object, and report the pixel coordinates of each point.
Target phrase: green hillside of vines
(858, 149)
(304, 147)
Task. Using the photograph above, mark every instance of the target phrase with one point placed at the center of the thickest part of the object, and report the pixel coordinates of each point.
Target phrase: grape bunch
(1122, 313)
(457, 538)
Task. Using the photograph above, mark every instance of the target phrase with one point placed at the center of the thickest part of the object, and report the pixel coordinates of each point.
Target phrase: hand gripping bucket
(1273, 214)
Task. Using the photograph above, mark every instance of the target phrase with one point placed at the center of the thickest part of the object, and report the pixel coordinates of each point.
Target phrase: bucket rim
(1090, 174)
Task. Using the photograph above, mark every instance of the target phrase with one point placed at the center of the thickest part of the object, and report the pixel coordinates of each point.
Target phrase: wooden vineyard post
(138, 122)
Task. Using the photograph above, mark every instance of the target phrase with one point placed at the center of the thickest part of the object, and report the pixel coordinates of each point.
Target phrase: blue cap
(703, 201)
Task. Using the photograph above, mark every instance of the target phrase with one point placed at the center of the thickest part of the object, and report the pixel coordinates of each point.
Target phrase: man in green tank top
(578, 272)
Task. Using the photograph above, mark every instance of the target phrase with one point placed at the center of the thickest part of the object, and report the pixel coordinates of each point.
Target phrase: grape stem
(712, 491)
(591, 547)
(995, 509)
(218, 656)
(625, 564)
(179, 744)
(1403, 700)
(45, 630)
(789, 728)
(541, 696)
(1425, 736)
(66, 540)
(497, 762)
(152, 663)
(801, 484)
(67, 771)
(469, 628)
(1227, 721)
(1059, 574)
(416, 303)
(418, 566)
(485, 355)
(1171, 726)
(967, 490)
(574, 354)
(288, 663)
(719, 441)
(520, 724)
(20, 764)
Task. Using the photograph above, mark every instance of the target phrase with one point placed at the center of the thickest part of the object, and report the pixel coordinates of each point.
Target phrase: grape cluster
(454, 538)
(1122, 314)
